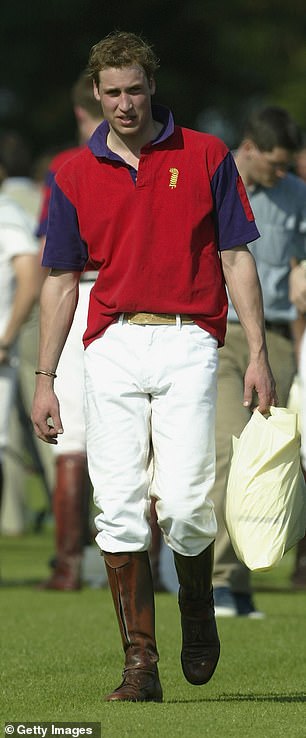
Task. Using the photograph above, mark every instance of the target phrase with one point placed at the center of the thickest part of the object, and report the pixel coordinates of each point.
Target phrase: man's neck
(129, 147)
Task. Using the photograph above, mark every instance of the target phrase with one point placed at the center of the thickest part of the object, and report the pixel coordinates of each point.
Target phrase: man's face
(125, 96)
(265, 168)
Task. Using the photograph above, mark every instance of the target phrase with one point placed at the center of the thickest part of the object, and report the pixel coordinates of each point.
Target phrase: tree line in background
(218, 58)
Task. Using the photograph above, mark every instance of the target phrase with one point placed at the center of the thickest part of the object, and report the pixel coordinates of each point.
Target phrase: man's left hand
(259, 377)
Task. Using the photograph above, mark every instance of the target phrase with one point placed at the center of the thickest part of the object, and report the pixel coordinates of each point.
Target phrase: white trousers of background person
(69, 385)
(152, 387)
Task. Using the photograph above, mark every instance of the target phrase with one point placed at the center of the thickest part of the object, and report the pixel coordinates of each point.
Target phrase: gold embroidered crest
(174, 177)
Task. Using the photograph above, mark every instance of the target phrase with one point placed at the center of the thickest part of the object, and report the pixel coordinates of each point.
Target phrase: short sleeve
(64, 247)
(235, 221)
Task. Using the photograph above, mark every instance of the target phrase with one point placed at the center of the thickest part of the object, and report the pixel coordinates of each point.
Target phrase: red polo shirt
(155, 234)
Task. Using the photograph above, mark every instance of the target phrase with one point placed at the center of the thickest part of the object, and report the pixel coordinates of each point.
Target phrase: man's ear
(96, 91)
(79, 112)
(152, 86)
(248, 145)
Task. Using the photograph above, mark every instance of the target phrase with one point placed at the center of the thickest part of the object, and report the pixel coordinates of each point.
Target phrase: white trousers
(152, 389)
(69, 385)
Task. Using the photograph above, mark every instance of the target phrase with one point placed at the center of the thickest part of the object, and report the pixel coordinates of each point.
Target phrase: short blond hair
(122, 49)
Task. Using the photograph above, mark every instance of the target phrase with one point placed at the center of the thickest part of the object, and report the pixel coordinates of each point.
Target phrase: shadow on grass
(281, 698)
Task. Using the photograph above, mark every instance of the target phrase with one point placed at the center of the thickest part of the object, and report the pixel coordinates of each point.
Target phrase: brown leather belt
(155, 318)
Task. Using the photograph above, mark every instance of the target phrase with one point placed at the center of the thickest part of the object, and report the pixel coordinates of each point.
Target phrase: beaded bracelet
(48, 374)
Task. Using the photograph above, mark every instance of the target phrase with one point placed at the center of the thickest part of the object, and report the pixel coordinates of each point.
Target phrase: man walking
(162, 214)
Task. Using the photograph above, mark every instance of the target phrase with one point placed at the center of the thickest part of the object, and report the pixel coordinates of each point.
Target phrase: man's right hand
(46, 414)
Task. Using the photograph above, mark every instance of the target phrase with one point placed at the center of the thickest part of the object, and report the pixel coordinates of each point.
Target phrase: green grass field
(61, 652)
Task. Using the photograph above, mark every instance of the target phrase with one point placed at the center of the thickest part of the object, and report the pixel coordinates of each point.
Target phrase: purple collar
(97, 142)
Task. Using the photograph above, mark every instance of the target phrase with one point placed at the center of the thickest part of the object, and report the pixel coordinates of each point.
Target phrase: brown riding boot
(200, 641)
(71, 501)
(130, 581)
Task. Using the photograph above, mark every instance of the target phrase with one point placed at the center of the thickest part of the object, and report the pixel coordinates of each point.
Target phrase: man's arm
(244, 288)
(58, 302)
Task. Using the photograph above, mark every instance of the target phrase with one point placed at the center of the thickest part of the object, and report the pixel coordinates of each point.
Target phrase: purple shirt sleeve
(43, 219)
(235, 222)
(64, 247)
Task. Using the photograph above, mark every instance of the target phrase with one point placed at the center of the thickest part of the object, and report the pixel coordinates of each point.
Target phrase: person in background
(163, 215)
(278, 199)
(20, 187)
(19, 289)
(298, 297)
(72, 487)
